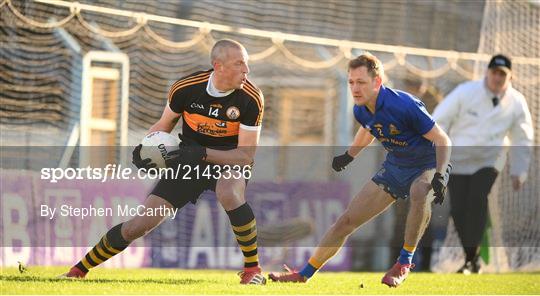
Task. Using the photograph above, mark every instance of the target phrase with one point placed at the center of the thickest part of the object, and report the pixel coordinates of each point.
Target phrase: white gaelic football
(156, 145)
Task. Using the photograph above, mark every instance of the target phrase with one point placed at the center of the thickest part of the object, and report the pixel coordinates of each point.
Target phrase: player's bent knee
(230, 197)
(226, 193)
(419, 192)
(231, 202)
(419, 198)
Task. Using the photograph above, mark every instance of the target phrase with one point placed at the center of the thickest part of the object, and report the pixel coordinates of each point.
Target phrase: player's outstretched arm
(443, 147)
(361, 140)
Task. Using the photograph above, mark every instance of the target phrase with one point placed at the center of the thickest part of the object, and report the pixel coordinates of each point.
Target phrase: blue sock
(308, 271)
(405, 257)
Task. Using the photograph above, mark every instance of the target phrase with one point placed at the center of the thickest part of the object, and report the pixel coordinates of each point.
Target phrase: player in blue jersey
(417, 162)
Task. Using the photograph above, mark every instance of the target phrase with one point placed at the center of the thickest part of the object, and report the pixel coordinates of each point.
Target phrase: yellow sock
(409, 248)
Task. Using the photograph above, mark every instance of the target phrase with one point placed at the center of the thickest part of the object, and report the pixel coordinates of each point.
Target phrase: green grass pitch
(42, 280)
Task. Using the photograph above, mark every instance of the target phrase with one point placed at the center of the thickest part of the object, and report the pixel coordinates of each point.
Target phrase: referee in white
(482, 117)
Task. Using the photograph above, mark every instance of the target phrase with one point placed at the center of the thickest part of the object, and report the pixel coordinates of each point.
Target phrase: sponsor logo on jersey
(219, 106)
(393, 130)
(233, 112)
(207, 129)
(210, 126)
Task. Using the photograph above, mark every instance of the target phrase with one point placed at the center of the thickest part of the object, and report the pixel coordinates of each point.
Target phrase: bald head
(230, 63)
(221, 49)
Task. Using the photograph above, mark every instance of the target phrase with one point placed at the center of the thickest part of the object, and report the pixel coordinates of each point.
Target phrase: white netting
(510, 27)
(43, 46)
(163, 49)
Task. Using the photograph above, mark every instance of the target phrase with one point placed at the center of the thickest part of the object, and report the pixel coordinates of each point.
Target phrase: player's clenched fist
(341, 161)
(439, 184)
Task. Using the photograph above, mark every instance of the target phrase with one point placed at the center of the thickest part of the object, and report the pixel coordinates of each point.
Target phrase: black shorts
(189, 184)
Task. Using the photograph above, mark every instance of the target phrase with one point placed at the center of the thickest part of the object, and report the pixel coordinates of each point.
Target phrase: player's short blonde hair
(219, 50)
(372, 63)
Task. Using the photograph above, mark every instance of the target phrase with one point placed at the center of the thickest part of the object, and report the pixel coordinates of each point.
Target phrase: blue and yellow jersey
(399, 123)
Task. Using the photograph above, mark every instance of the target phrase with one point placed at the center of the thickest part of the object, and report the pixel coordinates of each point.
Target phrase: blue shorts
(396, 180)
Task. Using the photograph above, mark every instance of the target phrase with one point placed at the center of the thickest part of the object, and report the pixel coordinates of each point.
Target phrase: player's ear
(378, 81)
(216, 65)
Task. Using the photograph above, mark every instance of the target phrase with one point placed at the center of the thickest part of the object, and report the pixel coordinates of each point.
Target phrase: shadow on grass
(12, 278)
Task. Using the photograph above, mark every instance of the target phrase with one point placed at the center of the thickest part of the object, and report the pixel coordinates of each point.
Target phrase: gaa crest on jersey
(233, 112)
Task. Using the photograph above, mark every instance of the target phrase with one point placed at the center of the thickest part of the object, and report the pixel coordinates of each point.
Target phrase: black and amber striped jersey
(215, 121)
